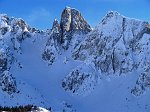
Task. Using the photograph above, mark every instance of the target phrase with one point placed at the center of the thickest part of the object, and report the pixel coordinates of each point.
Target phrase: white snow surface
(40, 109)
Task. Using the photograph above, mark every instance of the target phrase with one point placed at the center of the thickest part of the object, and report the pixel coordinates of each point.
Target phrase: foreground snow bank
(40, 109)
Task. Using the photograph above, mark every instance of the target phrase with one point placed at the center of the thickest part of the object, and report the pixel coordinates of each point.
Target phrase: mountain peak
(56, 25)
(113, 13)
(71, 19)
(67, 7)
(71, 22)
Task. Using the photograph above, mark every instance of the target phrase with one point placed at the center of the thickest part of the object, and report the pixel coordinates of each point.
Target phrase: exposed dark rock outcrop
(79, 81)
(8, 82)
(3, 61)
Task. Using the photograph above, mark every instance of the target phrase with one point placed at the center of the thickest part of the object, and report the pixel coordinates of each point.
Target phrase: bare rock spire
(72, 22)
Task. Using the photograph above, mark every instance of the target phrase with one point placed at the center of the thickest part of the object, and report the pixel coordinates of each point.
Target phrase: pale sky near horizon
(41, 13)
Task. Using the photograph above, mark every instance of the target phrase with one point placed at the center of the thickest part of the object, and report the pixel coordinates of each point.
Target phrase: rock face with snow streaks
(116, 46)
(72, 23)
(8, 82)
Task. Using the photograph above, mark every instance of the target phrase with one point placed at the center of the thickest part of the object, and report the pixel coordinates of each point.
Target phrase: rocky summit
(62, 35)
(72, 64)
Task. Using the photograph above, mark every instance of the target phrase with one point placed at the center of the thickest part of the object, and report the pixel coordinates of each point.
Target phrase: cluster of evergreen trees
(18, 108)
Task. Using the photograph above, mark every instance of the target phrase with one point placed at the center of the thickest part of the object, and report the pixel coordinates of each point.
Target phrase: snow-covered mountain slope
(15, 91)
(72, 68)
(116, 46)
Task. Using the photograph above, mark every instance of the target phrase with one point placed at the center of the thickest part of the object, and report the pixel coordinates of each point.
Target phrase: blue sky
(41, 13)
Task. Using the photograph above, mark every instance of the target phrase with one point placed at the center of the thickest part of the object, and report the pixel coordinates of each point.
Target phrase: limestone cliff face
(72, 22)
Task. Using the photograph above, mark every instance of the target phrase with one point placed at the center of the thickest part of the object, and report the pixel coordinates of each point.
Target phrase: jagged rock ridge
(13, 31)
(72, 23)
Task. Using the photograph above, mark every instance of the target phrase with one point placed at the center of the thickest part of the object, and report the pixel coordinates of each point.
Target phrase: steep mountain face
(62, 35)
(116, 46)
(52, 48)
(112, 44)
(107, 66)
(72, 22)
(13, 26)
